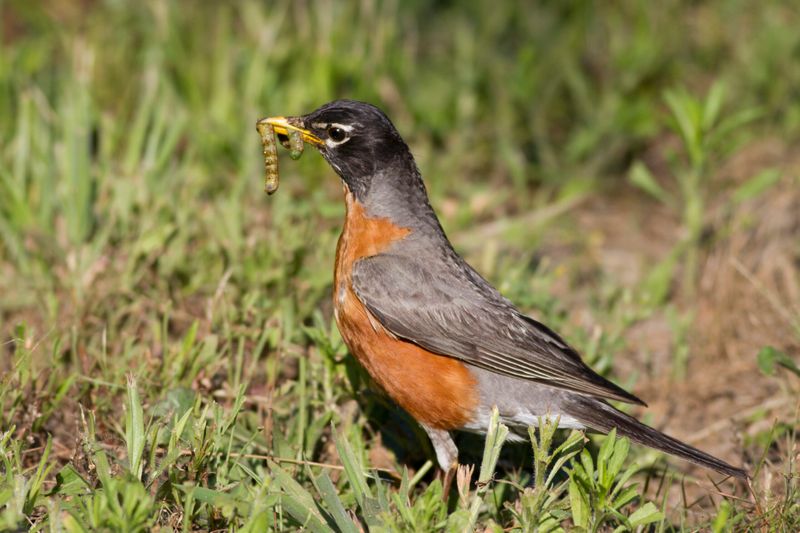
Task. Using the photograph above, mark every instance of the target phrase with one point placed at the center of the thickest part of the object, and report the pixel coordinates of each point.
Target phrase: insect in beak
(290, 136)
(283, 126)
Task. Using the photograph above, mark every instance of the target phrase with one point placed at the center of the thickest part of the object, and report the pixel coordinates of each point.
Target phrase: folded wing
(454, 312)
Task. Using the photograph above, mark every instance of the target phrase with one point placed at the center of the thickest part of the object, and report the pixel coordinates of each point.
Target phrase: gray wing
(450, 310)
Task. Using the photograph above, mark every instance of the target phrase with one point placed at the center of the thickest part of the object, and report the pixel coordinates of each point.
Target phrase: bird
(433, 333)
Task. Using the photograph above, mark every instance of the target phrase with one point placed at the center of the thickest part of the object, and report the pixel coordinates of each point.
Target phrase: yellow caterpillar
(271, 178)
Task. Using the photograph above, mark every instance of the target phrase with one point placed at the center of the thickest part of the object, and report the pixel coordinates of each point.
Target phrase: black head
(358, 141)
(364, 148)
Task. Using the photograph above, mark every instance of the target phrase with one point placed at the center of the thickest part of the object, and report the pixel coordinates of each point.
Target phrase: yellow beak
(282, 126)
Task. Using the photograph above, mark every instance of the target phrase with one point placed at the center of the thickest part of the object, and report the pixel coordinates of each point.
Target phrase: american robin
(432, 332)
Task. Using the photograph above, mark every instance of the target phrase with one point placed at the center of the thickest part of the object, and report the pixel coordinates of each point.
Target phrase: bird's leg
(446, 456)
(447, 483)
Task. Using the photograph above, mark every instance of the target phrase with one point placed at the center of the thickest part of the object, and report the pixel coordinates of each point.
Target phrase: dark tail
(599, 415)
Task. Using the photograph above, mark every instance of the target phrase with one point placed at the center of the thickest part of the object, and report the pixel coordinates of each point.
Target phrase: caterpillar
(292, 140)
(295, 144)
(271, 177)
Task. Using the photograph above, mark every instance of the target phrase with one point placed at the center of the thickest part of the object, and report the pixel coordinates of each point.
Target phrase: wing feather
(454, 312)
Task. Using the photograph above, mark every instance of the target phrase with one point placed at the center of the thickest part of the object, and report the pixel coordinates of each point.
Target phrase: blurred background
(626, 171)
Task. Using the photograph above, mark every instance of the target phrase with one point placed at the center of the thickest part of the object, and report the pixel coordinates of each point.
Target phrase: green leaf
(687, 115)
(756, 185)
(721, 520)
(768, 357)
(640, 176)
(646, 514)
(69, 482)
(134, 429)
(603, 458)
(72, 525)
(298, 501)
(579, 504)
(730, 123)
(625, 497)
(352, 467)
(99, 457)
(215, 498)
(495, 437)
(621, 448)
(304, 515)
(403, 490)
(31, 488)
(588, 465)
(459, 521)
(656, 285)
(566, 451)
(334, 503)
(289, 486)
(623, 479)
(261, 520)
(714, 101)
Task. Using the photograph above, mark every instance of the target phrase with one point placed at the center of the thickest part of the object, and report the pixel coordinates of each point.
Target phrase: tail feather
(601, 416)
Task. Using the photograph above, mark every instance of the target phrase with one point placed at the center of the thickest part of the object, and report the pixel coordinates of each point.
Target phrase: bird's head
(356, 138)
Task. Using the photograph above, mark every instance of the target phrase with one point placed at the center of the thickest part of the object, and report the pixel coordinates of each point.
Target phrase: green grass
(168, 356)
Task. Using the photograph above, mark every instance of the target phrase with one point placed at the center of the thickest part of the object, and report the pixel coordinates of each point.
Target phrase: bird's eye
(336, 134)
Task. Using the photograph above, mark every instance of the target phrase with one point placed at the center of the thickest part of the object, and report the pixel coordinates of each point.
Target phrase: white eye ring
(337, 134)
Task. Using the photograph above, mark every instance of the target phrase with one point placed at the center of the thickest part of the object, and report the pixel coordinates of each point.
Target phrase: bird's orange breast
(436, 390)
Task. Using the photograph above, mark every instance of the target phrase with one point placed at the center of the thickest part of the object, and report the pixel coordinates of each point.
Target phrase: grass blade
(134, 429)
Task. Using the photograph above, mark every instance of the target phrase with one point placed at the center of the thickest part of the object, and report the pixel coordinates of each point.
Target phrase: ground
(626, 173)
